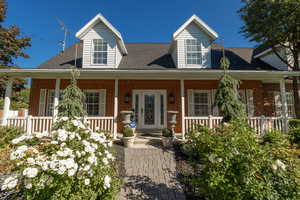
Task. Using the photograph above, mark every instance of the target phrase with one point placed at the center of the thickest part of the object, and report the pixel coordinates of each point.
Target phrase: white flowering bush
(233, 163)
(72, 162)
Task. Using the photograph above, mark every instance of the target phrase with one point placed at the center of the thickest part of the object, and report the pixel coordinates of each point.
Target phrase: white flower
(19, 153)
(62, 135)
(105, 161)
(110, 144)
(86, 181)
(28, 186)
(30, 161)
(278, 165)
(92, 159)
(107, 181)
(30, 172)
(41, 134)
(54, 142)
(19, 139)
(10, 183)
(71, 172)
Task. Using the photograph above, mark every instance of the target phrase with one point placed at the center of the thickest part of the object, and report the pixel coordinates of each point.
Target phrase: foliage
(294, 123)
(12, 45)
(7, 133)
(71, 104)
(275, 138)
(275, 24)
(167, 132)
(294, 131)
(70, 163)
(19, 99)
(227, 99)
(231, 163)
(128, 132)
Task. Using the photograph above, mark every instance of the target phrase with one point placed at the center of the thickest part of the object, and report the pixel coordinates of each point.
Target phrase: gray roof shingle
(149, 56)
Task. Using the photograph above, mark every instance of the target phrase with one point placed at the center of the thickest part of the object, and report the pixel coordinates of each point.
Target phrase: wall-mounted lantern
(172, 98)
(127, 98)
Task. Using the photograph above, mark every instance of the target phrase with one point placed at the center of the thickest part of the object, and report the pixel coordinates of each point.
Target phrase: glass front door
(150, 111)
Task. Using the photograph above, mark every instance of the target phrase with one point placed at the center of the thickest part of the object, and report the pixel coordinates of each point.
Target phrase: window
(50, 101)
(246, 97)
(95, 102)
(193, 52)
(99, 54)
(199, 102)
(290, 103)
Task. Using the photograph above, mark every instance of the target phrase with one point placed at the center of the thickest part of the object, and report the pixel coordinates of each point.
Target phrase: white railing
(260, 124)
(40, 124)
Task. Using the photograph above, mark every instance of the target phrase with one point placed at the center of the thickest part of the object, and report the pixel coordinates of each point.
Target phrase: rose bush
(72, 162)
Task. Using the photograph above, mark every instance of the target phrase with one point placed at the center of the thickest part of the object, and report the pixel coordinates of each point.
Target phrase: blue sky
(137, 20)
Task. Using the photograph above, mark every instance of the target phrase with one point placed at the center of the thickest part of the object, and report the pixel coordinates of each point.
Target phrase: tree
(71, 105)
(12, 46)
(276, 24)
(227, 97)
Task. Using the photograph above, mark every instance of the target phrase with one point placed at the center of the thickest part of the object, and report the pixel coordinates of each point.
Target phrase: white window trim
(93, 50)
(101, 104)
(202, 52)
(278, 108)
(191, 103)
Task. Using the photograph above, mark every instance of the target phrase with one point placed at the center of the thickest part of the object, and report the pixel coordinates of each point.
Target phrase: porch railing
(40, 124)
(260, 124)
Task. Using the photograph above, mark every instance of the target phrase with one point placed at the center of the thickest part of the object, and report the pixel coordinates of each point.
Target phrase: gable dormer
(191, 45)
(103, 46)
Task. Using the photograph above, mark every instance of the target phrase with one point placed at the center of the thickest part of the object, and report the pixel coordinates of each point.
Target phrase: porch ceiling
(147, 74)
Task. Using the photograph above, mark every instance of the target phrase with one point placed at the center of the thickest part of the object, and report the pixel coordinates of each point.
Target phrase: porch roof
(147, 74)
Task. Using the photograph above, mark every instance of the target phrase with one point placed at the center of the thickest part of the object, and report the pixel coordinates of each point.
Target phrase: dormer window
(99, 54)
(193, 52)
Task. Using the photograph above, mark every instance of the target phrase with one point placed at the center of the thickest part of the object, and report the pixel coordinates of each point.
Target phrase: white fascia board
(200, 23)
(100, 18)
(148, 74)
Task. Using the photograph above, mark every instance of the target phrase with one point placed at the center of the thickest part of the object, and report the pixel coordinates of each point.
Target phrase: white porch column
(6, 106)
(116, 104)
(284, 105)
(182, 108)
(56, 98)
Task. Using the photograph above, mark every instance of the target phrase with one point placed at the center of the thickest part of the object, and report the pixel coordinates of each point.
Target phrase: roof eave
(200, 23)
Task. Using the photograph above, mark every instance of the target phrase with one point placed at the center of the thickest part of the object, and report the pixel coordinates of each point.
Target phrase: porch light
(127, 98)
(171, 98)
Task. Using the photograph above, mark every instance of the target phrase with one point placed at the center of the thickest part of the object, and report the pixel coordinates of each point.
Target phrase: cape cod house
(154, 78)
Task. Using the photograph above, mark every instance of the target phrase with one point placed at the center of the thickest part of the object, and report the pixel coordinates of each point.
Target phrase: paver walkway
(150, 173)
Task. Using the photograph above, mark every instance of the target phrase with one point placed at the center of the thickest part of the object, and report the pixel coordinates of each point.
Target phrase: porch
(151, 94)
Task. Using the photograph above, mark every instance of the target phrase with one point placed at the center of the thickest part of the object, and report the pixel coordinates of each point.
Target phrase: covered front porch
(149, 94)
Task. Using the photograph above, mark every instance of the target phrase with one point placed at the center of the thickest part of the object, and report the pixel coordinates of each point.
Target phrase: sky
(137, 20)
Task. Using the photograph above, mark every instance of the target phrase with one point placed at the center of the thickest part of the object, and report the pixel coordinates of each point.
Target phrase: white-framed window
(246, 97)
(95, 102)
(200, 102)
(290, 103)
(50, 101)
(193, 52)
(99, 52)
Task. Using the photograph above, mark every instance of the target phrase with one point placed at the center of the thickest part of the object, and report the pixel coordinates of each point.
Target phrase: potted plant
(128, 137)
(167, 137)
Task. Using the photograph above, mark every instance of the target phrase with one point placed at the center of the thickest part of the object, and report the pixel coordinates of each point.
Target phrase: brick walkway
(150, 173)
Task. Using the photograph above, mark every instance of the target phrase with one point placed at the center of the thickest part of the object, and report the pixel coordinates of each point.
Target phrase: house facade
(154, 78)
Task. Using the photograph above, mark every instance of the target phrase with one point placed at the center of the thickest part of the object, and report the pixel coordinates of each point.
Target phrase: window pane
(201, 98)
(201, 110)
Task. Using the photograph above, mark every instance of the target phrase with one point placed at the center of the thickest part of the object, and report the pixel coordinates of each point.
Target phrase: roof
(155, 56)
(100, 18)
(198, 22)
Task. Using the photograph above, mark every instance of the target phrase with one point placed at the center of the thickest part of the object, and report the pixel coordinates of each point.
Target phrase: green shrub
(275, 138)
(294, 123)
(7, 133)
(230, 163)
(167, 132)
(128, 132)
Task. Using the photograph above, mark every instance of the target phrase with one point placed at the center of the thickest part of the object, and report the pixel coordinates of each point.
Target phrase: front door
(150, 108)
